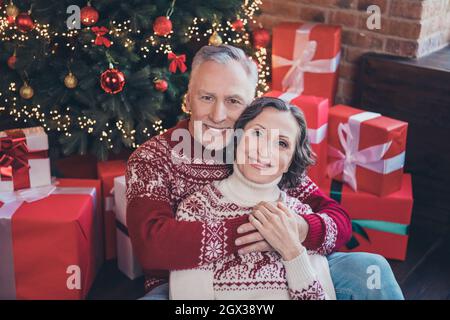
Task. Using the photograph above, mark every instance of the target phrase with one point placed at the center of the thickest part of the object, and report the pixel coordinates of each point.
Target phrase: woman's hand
(279, 227)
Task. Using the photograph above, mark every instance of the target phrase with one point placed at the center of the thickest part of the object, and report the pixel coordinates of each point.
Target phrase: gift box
(380, 224)
(107, 171)
(77, 166)
(305, 59)
(366, 150)
(24, 161)
(315, 110)
(126, 259)
(49, 244)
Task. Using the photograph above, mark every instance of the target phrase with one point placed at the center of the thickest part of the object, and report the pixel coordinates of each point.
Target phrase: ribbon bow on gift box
(100, 40)
(302, 61)
(13, 156)
(177, 62)
(370, 158)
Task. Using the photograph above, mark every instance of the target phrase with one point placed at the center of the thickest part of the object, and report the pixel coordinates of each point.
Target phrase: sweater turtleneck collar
(244, 192)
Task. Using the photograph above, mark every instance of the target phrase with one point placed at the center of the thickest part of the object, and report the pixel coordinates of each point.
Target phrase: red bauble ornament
(237, 25)
(112, 81)
(89, 16)
(24, 22)
(162, 26)
(12, 62)
(161, 85)
(261, 38)
(10, 20)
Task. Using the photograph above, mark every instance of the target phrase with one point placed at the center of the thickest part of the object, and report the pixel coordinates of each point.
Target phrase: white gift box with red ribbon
(126, 259)
(24, 161)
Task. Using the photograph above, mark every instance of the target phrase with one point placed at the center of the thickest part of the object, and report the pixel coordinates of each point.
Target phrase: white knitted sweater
(254, 275)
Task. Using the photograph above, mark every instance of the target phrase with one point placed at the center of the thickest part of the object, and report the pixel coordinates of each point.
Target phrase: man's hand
(256, 240)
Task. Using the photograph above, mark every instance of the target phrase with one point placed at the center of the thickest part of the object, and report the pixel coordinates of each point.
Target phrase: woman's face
(266, 150)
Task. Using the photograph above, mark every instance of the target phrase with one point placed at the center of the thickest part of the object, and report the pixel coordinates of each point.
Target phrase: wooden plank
(418, 92)
(437, 60)
(431, 280)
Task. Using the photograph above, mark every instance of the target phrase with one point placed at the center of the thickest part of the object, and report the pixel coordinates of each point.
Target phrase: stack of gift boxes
(50, 241)
(360, 154)
(56, 233)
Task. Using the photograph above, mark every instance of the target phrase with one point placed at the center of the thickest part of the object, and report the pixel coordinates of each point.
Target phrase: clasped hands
(275, 228)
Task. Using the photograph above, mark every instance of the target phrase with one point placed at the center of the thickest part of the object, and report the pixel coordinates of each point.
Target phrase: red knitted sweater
(156, 184)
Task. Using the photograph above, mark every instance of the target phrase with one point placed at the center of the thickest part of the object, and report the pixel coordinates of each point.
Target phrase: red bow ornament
(177, 62)
(100, 40)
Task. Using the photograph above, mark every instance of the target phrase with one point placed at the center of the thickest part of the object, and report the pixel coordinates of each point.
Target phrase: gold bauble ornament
(26, 91)
(215, 39)
(12, 10)
(70, 81)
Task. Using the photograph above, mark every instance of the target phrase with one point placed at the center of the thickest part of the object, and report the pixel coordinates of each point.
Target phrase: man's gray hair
(224, 54)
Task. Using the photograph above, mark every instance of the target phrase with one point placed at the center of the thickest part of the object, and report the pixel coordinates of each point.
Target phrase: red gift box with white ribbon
(366, 150)
(305, 58)
(50, 246)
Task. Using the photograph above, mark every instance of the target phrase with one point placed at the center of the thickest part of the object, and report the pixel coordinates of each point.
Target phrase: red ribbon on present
(14, 156)
(100, 40)
(177, 62)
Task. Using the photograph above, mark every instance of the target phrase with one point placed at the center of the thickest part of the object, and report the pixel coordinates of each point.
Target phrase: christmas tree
(104, 75)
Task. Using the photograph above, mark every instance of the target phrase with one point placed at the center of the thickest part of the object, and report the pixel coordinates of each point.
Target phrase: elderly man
(222, 83)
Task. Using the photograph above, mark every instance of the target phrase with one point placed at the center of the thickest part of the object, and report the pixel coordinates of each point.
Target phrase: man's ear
(188, 102)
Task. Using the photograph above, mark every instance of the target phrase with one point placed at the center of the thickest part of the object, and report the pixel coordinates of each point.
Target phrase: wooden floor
(425, 274)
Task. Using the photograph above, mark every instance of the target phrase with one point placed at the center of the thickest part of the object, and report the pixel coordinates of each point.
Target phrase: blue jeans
(363, 276)
(355, 275)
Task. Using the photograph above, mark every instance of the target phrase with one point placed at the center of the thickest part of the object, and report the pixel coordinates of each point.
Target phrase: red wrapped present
(366, 150)
(380, 224)
(77, 166)
(305, 58)
(24, 161)
(48, 241)
(107, 171)
(315, 110)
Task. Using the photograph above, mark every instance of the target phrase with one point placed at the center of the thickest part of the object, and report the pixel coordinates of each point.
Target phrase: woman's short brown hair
(303, 155)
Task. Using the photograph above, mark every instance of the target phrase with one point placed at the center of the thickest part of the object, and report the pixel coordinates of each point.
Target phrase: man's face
(218, 94)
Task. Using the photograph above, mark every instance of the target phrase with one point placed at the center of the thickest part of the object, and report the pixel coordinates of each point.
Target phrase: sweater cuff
(299, 272)
(316, 231)
(231, 234)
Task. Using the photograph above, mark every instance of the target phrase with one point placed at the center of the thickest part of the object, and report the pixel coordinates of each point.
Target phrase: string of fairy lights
(62, 121)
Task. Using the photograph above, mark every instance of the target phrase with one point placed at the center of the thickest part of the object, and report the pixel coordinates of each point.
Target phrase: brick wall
(409, 28)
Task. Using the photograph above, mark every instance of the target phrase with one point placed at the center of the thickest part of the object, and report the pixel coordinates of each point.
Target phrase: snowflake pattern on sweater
(313, 292)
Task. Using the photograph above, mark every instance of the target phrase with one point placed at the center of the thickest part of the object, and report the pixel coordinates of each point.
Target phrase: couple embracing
(241, 219)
